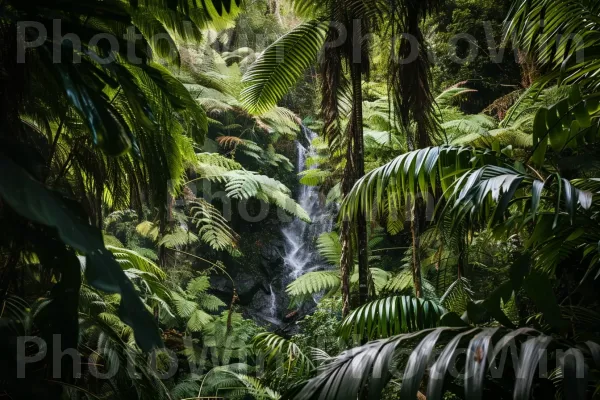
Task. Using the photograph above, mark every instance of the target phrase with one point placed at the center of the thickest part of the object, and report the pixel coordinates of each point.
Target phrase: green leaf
(281, 65)
(390, 316)
(540, 137)
(33, 201)
(539, 289)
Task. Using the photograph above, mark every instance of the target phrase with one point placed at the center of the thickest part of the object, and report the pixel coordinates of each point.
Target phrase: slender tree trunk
(346, 262)
(359, 171)
(416, 250)
(462, 257)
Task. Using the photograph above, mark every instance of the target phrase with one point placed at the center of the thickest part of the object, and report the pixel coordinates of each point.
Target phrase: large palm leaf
(391, 316)
(556, 35)
(366, 370)
(281, 65)
(389, 188)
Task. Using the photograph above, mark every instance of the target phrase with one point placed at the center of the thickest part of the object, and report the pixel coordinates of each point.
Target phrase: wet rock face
(276, 252)
(259, 280)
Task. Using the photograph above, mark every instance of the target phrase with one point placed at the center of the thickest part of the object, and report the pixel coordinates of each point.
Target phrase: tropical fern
(213, 228)
(284, 354)
(314, 177)
(132, 259)
(329, 247)
(178, 238)
(314, 282)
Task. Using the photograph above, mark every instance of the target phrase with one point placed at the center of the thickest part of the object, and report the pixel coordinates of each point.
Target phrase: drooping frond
(472, 194)
(229, 142)
(314, 177)
(148, 229)
(178, 238)
(280, 66)
(243, 185)
(280, 120)
(387, 189)
(554, 33)
(400, 282)
(131, 259)
(366, 370)
(445, 98)
(213, 228)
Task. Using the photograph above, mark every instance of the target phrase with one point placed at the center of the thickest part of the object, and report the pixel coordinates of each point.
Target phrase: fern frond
(330, 248)
(179, 238)
(314, 177)
(213, 228)
(131, 259)
(148, 229)
(313, 283)
(285, 354)
(230, 142)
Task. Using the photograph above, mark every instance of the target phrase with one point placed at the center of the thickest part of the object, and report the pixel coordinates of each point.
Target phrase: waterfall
(272, 303)
(300, 237)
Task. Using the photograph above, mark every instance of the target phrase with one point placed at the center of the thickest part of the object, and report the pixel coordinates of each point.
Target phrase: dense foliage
(154, 152)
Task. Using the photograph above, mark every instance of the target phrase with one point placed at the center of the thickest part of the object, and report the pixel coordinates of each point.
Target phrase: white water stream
(301, 254)
(300, 237)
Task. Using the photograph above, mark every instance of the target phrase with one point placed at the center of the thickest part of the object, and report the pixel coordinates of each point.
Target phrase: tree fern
(243, 185)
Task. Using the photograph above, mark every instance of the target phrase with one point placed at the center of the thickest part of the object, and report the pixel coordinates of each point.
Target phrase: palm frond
(284, 353)
(366, 370)
(280, 66)
(391, 316)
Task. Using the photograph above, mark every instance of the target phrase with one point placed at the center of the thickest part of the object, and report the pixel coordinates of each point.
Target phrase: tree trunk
(462, 257)
(359, 171)
(416, 250)
(346, 262)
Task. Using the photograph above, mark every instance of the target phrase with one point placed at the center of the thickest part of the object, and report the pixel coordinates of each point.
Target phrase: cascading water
(272, 302)
(300, 237)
